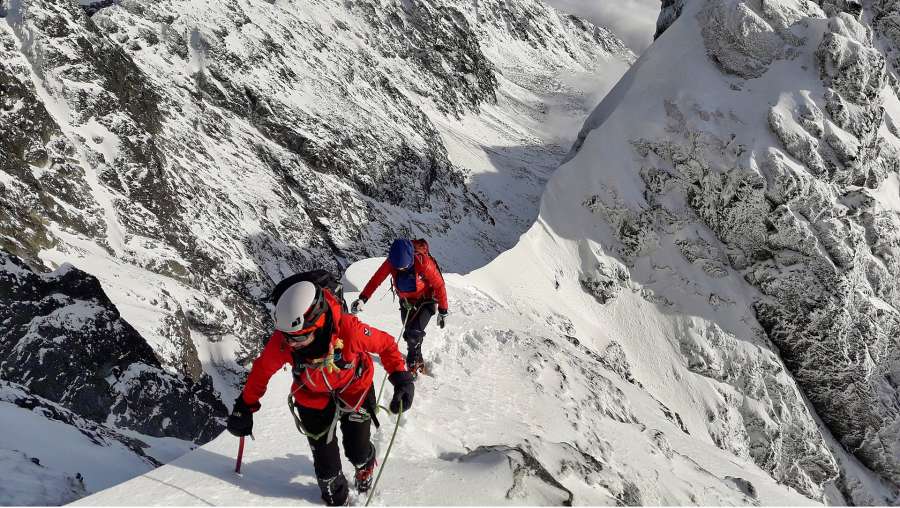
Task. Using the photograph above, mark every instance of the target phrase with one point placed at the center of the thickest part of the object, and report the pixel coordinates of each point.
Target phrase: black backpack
(321, 278)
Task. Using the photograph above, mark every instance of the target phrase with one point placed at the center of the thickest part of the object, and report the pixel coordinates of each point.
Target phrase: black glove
(403, 390)
(442, 319)
(240, 421)
(357, 306)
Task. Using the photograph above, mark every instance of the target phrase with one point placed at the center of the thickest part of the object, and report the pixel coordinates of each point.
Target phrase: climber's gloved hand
(442, 319)
(240, 421)
(357, 306)
(404, 388)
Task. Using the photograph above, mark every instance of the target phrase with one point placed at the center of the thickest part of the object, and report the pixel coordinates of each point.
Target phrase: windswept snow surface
(667, 212)
(513, 413)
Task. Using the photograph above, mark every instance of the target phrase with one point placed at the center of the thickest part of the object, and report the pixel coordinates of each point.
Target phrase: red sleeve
(375, 281)
(434, 279)
(372, 340)
(272, 358)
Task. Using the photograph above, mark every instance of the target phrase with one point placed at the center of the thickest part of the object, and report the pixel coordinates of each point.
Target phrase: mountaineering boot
(414, 361)
(365, 474)
(417, 367)
(335, 491)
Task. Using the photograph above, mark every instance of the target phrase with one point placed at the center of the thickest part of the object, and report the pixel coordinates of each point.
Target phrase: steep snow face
(744, 171)
(530, 402)
(50, 455)
(29, 483)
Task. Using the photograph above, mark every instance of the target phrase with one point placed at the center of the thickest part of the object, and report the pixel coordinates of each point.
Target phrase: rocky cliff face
(788, 153)
(215, 149)
(669, 12)
(65, 341)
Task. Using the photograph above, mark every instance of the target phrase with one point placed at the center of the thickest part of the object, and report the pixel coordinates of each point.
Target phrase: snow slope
(190, 153)
(514, 413)
(66, 449)
(739, 178)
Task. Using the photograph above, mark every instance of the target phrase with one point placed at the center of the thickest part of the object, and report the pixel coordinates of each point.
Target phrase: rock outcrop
(65, 341)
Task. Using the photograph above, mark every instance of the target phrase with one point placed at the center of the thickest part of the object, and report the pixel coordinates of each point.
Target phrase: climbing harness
(328, 361)
(340, 409)
(329, 364)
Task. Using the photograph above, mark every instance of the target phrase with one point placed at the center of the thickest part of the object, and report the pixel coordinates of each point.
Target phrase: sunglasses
(313, 320)
(309, 328)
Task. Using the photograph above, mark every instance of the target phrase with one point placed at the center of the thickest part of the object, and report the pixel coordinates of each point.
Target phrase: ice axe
(240, 455)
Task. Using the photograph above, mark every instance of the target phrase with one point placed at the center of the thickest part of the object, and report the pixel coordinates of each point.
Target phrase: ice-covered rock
(669, 12)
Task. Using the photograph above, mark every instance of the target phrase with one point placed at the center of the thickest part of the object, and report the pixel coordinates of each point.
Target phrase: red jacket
(359, 339)
(429, 282)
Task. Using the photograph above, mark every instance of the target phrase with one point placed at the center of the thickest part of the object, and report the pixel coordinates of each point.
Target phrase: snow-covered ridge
(526, 404)
(757, 191)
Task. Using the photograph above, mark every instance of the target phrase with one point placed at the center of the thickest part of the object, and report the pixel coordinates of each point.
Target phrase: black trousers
(355, 434)
(416, 315)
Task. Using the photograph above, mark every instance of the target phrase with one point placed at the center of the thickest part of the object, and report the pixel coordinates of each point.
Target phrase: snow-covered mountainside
(528, 402)
(698, 316)
(188, 154)
(758, 192)
(705, 311)
(209, 148)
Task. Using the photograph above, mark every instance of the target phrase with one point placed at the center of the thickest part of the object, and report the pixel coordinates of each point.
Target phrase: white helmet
(298, 307)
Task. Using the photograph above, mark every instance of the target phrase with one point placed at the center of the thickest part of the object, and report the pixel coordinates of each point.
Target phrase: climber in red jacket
(332, 369)
(420, 286)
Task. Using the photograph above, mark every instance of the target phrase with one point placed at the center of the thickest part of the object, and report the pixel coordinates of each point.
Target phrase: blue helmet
(401, 254)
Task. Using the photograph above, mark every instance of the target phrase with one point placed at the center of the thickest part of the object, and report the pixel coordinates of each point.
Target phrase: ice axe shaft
(240, 457)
